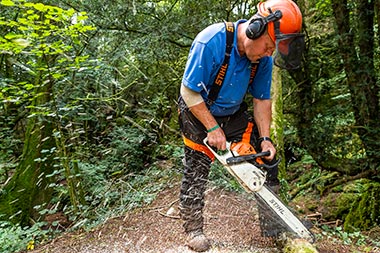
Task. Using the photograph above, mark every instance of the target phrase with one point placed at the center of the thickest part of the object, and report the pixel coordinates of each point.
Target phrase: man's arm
(262, 113)
(198, 108)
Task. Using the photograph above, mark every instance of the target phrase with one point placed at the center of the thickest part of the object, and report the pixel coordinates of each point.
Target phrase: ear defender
(258, 25)
(255, 28)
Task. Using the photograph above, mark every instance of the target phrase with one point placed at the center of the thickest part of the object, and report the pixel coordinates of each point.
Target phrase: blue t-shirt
(204, 60)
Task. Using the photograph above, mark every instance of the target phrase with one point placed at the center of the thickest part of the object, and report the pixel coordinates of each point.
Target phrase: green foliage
(8, 146)
(112, 194)
(113, 184)
(41, 30)
(41, 42)
(337, 205)
(337, 233)
(39, 48)
(365, 211)
(129, 150)
(15, 238)
(119, 177)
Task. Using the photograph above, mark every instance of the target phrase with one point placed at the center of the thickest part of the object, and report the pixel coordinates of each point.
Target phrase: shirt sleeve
(261, 86)
(199, 67)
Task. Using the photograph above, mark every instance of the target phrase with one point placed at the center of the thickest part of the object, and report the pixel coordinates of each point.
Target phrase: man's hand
(268, 146)
(215, 135)
(217, 139)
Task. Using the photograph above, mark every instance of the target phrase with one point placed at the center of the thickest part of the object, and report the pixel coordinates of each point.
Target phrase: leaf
(21, 42)
(40, 7)
(57, 75)
(7, 3)
(11, 36)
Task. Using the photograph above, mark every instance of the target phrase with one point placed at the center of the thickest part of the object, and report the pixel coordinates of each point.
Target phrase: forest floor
(231, 225)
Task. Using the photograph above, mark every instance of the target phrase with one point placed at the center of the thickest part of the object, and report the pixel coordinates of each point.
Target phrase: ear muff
(255, 28)
(258, 25)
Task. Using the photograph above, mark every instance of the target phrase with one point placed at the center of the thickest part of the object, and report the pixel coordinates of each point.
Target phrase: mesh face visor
(289, 50)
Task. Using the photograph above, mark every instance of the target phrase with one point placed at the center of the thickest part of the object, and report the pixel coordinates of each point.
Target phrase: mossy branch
(345, 179)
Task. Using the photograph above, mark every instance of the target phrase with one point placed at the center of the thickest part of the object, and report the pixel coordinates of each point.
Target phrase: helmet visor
(289, 50)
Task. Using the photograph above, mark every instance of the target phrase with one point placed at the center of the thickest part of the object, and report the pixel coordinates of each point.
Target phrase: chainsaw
(252, 176)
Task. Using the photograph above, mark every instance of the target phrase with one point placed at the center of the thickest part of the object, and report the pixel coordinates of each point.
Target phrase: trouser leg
(193, 187)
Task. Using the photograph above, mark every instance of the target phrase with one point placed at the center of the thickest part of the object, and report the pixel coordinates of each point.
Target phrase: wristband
(213, 128)
(265, 138)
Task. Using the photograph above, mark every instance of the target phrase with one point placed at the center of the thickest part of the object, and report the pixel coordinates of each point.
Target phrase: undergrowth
(358, 239)
(126, 175)
(14, 238)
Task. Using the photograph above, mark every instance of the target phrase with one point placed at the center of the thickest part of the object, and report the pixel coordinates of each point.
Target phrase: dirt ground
(231, 225)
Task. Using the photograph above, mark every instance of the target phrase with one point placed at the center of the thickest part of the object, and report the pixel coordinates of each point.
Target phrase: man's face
(258, 48)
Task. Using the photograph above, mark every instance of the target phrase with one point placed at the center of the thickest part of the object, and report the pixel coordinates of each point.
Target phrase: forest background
(88, 95)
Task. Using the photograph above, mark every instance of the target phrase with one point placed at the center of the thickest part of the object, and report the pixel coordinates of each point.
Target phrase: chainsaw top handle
(251, 158)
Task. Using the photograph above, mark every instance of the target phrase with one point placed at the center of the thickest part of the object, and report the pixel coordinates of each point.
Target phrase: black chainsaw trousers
(197, 161)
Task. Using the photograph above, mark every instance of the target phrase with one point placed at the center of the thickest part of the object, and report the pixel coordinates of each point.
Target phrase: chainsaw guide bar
(252, 179)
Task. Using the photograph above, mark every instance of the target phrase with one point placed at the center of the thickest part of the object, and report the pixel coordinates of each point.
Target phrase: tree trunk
(358, 62)
(365, 211)
(29, 186)
(278, 120)
(360, 71)
(377, 9)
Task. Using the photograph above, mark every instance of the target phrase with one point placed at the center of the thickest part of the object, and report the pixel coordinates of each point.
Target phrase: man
(212, 92)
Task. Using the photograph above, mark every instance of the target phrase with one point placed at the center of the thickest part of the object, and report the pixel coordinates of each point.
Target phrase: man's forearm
(201, 112)
(262, 113)
(263, 116)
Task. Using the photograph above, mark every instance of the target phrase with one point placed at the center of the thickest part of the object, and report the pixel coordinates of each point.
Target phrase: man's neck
(241, 37)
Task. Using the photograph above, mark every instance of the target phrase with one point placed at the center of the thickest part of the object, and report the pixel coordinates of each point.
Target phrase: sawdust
(231, 224)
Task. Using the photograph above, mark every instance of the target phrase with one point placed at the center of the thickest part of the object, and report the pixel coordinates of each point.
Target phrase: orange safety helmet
(290, 21)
